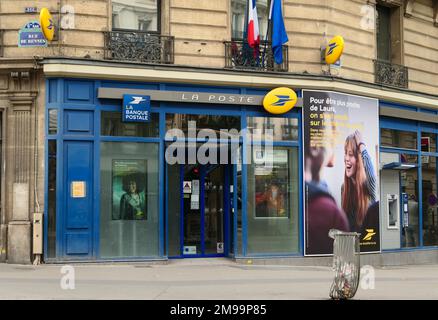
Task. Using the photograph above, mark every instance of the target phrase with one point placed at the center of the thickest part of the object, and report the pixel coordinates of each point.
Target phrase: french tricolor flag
(253, 25)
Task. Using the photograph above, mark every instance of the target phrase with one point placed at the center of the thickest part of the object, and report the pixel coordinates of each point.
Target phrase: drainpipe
(37, 211)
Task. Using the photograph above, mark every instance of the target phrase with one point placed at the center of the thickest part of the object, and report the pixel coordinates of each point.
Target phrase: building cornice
(97, 69)
(10, 64)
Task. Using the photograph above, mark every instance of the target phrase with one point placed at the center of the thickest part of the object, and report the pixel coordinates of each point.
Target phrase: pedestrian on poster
(322, 211)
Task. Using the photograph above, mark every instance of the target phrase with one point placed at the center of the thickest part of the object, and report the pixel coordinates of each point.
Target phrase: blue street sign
(136, 108)
(31, 36)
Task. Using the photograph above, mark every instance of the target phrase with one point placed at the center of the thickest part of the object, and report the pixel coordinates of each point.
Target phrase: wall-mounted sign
(189, 249)
(187, 187)
(194, 202)
(136, 108)
(30, 10)
(280, 100)
(78, 189)
(425, 144)
(47, 24)
(31, 35)
(334, 50)
(195, 186)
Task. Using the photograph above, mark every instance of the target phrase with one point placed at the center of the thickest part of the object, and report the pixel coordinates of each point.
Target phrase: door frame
(226, 199)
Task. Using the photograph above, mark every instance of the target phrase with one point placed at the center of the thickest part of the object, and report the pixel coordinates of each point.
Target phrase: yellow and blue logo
(334, 50)
(280, 100)
(369, 235)
(47, 25)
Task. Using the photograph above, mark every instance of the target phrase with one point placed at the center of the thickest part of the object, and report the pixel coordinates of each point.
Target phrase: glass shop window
(398, 139)
(112, 125)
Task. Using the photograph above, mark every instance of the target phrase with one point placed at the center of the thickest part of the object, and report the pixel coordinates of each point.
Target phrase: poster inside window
(129, 189)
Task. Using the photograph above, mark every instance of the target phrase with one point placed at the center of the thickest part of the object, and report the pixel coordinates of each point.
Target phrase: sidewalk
(217, 279)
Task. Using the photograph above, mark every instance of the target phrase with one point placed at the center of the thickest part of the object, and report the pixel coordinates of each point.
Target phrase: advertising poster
(129, 190)
(341, 147)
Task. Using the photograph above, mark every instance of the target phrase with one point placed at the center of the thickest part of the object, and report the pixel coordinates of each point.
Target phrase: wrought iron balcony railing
(391, 74)
(239, 55)
(139, 47)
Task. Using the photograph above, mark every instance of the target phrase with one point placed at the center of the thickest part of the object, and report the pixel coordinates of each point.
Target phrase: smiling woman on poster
(359, 191)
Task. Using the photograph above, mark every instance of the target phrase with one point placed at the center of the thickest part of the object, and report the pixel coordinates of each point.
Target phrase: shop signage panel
(280, 100)
(47, 25)
(334, 50)
(136, 108)
(341, 143)
(188, 97)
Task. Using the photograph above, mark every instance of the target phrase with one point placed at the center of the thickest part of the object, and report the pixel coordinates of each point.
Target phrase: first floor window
(239, 18)
(140, 15)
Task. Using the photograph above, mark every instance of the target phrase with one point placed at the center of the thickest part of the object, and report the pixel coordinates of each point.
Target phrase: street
(217, 279)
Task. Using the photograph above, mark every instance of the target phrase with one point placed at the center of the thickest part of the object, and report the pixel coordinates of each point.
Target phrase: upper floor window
(383, 33)
(389, 69)
(239, 12)
(389, 32)
(139, 15)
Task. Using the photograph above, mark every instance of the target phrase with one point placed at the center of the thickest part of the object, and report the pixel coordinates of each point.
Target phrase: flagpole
(245, 44)
(266, 40)
(267, 32)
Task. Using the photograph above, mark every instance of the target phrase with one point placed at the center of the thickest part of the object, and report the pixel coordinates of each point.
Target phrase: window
(430, 201)
(276, 129)
(383, 33)
(112, 125)
(238, 18)
(199, 122)
(428, 142)
(140, 15)
(53, 121)
(273, 203)
(398, 139)
(51, 209)
(129, 200)
(389, 32)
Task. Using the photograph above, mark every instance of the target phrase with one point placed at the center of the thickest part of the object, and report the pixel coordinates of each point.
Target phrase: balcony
(139, 47)
(391, 74)
(239, 55)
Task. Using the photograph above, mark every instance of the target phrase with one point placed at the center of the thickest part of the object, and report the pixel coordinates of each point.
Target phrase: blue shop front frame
(79, 122)
(418, 128)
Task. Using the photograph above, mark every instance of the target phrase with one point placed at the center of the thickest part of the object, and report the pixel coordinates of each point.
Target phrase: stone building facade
(192, 41)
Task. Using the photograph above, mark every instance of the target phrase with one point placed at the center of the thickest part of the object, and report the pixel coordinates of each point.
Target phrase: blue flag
(279, 35)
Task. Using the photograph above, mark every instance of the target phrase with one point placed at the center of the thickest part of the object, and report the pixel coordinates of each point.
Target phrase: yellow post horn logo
(280, 100)
(47, 25)
(370, 234)
(334, 50)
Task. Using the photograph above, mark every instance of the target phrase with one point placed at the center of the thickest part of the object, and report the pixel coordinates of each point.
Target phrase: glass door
(203, 212)
(192, 212)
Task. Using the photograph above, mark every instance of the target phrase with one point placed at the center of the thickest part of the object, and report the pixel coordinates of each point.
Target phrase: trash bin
(346, 264)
